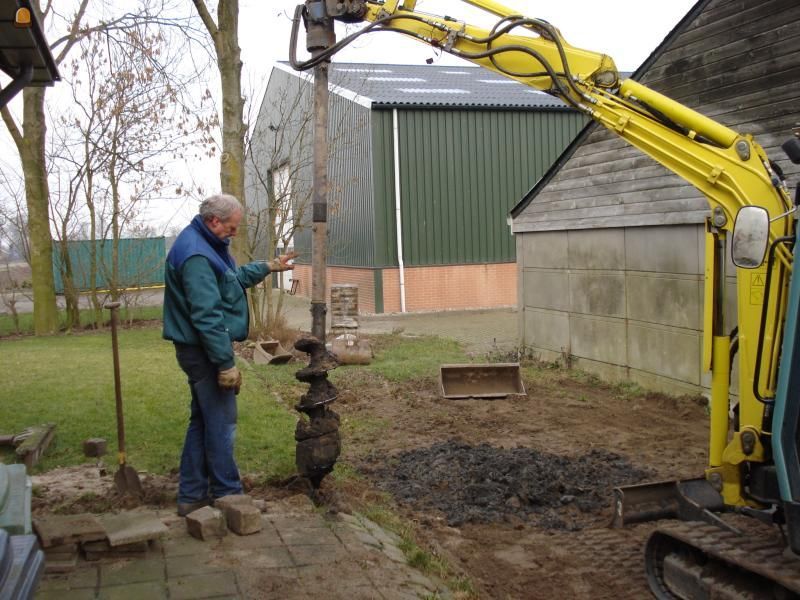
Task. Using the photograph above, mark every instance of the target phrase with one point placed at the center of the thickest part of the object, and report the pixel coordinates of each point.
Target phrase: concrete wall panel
(546, 289)
(597, 338)
(597, 249)
(670, 249)
(666, 300)
(546, 250)
(548, 330)
(670, 352)
(600, 294)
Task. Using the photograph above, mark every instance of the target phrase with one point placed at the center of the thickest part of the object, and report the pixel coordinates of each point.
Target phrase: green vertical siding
(461, 172)
(141, 263)
(288, 107)
(351, 237)
(383, 179)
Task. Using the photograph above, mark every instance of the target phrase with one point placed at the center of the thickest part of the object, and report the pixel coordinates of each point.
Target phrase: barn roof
(434, 86)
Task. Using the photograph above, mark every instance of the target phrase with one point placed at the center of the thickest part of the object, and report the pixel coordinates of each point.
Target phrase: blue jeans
(208, 469)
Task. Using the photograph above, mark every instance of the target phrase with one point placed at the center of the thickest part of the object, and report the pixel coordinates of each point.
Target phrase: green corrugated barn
(459, 147)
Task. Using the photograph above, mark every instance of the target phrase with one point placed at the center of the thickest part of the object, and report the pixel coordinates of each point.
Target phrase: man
(205, 309)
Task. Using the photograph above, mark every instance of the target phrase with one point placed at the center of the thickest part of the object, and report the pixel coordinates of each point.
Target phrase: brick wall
(450, 287)
(363, 278)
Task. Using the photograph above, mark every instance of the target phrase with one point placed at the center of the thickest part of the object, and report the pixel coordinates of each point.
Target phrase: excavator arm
(730, 169)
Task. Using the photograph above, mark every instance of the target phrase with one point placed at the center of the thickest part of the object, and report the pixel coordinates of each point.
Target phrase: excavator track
(695, 560)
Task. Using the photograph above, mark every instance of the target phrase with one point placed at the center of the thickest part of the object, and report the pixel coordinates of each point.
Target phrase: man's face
(227, 228)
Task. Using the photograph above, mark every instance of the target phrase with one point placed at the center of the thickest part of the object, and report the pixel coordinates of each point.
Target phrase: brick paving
(299, 553)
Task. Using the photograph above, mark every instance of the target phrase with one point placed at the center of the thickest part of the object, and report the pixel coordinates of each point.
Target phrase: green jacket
(202, 308)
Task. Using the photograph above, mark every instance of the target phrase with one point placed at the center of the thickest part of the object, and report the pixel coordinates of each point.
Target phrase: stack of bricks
(239, 513)
(124, 535)
(344, 307)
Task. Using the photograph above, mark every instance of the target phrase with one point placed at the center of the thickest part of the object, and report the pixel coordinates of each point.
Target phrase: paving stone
(305, 537)
(268, 536)
(181, 566)
(273, 557)
(243, 519)
(183, 544)
(203, 586)
(62, 551)
(56, 530)
(85, 576)
(206, 523)
(104, 546)
(288, 522)
(132, 571)
(99, 550)
(260, 504)
(316, 555)
(367, 539)
(95, 556)
(232, 500)
(383, 536)
(53, 582)
(395, 554)
(95, 447)
(130, 527)
(351, 521)
(61, 565)
(151, 590)
(84, 594)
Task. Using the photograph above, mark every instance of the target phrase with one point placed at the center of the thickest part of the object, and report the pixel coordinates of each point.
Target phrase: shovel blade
(126, 481)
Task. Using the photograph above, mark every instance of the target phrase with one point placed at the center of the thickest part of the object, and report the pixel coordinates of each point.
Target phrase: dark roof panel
(438, 86)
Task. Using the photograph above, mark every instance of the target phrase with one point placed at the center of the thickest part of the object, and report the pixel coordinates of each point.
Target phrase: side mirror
(750, 237)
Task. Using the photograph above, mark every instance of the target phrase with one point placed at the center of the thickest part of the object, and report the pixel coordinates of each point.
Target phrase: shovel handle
(113, 306)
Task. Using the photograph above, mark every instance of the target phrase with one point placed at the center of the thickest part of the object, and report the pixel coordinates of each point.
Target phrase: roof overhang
(24, 53)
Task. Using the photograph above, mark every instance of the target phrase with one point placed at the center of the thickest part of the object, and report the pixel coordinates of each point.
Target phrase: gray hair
(221, 206)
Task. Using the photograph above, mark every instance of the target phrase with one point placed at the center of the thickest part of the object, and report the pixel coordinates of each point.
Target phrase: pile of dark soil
(484, 484)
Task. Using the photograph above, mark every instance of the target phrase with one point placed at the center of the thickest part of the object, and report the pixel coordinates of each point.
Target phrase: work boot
(184, 508)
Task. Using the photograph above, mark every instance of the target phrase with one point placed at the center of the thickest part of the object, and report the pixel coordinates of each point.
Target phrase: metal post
(319, 228)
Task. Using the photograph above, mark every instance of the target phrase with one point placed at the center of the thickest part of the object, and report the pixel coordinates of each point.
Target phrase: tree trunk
(229, 62)
(37, 194)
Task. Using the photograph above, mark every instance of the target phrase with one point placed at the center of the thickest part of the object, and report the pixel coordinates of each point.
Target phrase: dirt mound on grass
(484, 484)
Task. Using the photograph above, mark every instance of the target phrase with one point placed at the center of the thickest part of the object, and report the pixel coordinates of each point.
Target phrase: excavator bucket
(687, 500)
(270, 352)
(495, 380)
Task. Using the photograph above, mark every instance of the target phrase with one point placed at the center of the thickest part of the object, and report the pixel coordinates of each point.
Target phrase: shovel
(126, 479)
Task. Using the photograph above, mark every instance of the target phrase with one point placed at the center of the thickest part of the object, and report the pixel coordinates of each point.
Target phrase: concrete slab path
(299, 554)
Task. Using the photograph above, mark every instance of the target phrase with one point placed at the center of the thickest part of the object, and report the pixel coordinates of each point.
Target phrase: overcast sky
(626, 30)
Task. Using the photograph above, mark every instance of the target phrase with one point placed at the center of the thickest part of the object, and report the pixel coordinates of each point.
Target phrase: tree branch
(72, 36)
(208, 21)
(12, 128)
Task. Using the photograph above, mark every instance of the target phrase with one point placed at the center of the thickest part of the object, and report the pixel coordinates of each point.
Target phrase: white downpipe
(397, 214)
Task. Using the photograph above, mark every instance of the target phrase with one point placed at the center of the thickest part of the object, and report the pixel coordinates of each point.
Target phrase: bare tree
(279, 180)
(224, 33)
(30, 137)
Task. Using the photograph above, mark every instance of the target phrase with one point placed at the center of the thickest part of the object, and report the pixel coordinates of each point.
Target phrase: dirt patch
(80, 489)
(513, 535)
(484, 484)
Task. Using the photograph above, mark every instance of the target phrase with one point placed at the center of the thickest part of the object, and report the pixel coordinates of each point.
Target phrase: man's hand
(282, 262)
(230, 379)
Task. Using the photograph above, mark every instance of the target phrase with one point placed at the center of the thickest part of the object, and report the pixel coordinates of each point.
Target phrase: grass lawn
(136, 313)
(69, 380)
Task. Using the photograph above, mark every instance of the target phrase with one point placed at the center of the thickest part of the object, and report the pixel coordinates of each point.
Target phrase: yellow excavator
(753, 459)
